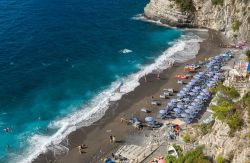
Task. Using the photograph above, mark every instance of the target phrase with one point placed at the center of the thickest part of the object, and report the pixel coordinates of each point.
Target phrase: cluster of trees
(186, 5)
(227, 110)
(194, 156)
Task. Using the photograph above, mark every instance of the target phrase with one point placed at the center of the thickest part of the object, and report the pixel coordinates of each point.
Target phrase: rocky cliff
(231, 17)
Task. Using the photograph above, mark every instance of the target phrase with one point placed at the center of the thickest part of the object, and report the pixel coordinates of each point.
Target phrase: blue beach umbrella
(186, 89)
(200, 97)
(177, 110)
(173, 101)
(197, 100)
(190, 107)
(189, 111)
(180, 105)
(186, 99)
(192, 93)
(162, 111)
(149, 119)
(193, 104)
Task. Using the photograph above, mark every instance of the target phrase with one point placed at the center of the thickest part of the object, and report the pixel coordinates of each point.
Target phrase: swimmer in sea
(7, 129)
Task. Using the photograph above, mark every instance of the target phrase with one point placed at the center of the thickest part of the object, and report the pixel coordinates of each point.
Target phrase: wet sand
(96, 136)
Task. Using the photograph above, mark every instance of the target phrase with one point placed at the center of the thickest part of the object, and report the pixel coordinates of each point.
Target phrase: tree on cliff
(186, 5)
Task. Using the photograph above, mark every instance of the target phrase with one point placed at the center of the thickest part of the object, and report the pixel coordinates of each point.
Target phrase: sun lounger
(169, 90)
(154, 102)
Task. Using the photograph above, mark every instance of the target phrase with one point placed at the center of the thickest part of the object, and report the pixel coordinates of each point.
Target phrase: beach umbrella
(190, 107)
(200, 97)
(194, 104)
(149, 119)
(185, 89)
(173, 101)
(197, 100)
(184, 115)
(177, 110)
(170, 104)
(189, 111)
(197, 88)
(202, 94)
(183, 92)
(180, 105)
(192, 93)
(162, 111)
(210, 85)
(186, 99)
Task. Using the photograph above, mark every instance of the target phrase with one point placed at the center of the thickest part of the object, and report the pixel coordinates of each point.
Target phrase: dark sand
(96, 136)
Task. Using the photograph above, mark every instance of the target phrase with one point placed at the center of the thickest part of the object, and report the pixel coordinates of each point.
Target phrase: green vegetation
(245, 103)
(248, 54)
(225, 93)
(236, 25)
(227, 110)
(178, 149)
(218, 2)
(194, 156)
(186, 5)
(220, 159)
(186, 138)
(205, 128)
(223, 111)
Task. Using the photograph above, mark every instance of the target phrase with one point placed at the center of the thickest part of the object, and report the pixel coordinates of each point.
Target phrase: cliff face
(232, 17)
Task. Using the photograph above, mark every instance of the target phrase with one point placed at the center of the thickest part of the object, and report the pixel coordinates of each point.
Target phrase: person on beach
(81, 148)
(111, 139)
(158, 77)
(145, 78)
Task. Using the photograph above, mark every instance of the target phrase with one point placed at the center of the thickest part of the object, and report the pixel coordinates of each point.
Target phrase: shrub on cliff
(248, 54)
(186, 138)
(186, 5)
(217, 2)
(236, 25)
(206, 128)
(225, 92)
(245, 103)
(196, 155)
(220, 159)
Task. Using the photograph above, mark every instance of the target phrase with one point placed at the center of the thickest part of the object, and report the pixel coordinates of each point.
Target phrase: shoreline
(129, 105)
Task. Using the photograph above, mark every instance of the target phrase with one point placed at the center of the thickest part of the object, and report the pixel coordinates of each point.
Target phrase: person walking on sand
(111, 139)
(145, 78)
(158, 77)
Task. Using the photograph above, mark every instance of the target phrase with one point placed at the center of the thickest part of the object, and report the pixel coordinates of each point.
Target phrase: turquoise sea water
(56, 56)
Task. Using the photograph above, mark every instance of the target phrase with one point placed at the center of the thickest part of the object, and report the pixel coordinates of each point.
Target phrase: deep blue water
(56, 55)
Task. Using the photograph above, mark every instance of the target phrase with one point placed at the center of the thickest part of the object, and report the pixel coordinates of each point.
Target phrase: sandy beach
(96, 136)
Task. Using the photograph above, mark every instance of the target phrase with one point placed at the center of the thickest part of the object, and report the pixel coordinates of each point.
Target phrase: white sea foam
(141, 17)
(183, 49)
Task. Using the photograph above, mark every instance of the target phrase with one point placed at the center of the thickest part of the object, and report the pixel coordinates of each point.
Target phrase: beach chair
(180, 82)
(167, 93)
(163, 96)
(169, 90)
(155, 102)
